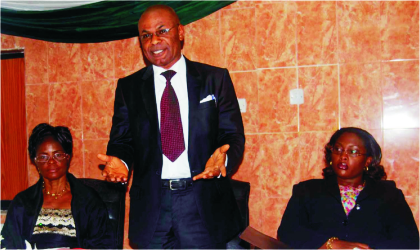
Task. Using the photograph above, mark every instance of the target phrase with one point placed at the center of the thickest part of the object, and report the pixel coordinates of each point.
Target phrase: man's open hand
(215, 165)
(115, 170)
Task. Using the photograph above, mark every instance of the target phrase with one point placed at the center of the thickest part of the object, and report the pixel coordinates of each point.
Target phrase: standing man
(177, 124)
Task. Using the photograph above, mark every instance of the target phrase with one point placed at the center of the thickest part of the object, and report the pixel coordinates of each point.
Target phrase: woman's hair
(43, 130)
(374, 170)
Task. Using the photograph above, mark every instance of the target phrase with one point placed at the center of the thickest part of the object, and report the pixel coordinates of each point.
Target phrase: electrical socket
(242, 104)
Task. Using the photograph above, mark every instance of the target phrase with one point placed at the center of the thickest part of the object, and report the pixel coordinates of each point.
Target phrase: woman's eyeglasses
(350, 152)
(46, 158)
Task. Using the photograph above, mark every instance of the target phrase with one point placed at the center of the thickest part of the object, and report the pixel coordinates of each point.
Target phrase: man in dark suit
(177, 123)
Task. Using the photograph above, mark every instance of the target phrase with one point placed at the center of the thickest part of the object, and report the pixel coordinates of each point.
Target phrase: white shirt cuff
(225, 166)
(125, 164)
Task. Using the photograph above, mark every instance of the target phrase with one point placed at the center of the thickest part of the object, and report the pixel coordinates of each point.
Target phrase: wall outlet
(296, 96)
(242, 104)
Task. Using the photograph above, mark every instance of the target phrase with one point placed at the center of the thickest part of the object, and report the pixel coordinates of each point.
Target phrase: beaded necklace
(55, 195)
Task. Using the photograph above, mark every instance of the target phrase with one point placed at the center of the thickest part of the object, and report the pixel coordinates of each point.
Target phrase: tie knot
(168, 74)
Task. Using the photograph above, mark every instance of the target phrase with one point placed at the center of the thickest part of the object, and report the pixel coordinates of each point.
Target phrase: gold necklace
(54, 195)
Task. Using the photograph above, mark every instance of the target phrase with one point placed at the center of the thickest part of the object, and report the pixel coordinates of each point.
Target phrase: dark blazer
(89, 212)
(380, 219)
(135, 138)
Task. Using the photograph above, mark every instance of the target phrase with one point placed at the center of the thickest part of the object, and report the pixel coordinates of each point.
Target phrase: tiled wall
(357, 62)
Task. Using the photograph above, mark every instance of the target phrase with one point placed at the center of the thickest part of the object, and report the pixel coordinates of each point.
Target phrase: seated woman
(353, 207)
(58, 211)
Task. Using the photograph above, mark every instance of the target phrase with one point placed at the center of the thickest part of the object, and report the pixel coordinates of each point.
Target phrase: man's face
(164, 49)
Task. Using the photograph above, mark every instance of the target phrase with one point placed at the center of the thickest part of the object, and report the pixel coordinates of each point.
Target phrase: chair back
(113, 195)
(241, 191)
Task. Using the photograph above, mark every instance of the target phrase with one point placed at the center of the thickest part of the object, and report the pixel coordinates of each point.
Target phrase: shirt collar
(178, 67)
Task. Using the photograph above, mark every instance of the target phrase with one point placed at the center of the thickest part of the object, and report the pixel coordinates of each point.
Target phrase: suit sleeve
(231, 128)
(401, 228)
(120, 140)
(12, 231)
(294, 230)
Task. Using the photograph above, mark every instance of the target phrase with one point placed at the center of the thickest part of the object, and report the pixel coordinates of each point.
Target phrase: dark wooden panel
(14, 174)
(11, 54)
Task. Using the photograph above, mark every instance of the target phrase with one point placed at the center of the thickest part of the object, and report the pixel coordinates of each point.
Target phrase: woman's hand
(342, 244)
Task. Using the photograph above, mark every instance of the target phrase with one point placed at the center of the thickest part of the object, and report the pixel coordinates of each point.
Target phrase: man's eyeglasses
(350, 152)
(46, 158)
(158, 33)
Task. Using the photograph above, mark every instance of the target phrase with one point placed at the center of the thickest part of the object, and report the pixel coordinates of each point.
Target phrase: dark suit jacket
(135, 138)
(315, 213)
(89, 212)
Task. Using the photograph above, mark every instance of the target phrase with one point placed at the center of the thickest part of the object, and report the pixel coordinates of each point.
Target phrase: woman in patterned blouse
(353, 207)
(58, 211)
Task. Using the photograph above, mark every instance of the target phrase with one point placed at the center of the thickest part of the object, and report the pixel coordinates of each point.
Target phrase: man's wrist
(125, 164)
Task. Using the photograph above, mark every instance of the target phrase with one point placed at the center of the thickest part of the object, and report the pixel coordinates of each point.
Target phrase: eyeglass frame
(166, 32)
(49, 157)
(345, 151)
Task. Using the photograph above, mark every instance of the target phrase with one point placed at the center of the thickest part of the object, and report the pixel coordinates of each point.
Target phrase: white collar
(178, 67)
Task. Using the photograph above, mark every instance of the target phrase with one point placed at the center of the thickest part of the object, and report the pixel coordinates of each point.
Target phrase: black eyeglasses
(46, 158)
(350, 152)
(158, 33)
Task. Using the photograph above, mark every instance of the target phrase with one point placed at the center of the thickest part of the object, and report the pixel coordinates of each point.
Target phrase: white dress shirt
(180, 168)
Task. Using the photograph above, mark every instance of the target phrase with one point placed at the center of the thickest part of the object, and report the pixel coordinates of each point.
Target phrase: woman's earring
(330, 163)
(366, 169)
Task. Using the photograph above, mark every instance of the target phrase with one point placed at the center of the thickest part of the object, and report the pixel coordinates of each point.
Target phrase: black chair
(241, 191)
(113, 194)
(249, 238)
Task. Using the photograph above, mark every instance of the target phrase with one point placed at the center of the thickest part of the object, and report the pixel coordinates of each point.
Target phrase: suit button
(345, 222)
(157, 172)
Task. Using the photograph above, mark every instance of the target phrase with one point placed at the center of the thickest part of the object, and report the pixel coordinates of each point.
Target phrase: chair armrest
(260, 240)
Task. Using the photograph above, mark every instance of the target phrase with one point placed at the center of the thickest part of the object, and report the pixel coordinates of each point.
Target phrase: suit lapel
(334, 191)
(332, 188)
(194, 89)
(148, 96)
(367, 190)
